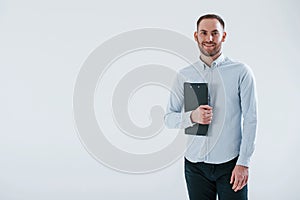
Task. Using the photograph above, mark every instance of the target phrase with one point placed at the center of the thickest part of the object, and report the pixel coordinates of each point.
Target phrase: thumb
(232, 178)
(205, 107)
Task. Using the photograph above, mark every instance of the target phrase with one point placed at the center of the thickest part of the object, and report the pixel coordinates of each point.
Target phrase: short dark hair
(211, 16)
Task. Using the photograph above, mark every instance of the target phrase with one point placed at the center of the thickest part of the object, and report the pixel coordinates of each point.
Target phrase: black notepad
(195, 94)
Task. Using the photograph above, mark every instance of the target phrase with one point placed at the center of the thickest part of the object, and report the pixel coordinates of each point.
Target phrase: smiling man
(222, 170)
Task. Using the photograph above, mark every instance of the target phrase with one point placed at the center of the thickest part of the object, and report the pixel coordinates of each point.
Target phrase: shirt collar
(214, 64)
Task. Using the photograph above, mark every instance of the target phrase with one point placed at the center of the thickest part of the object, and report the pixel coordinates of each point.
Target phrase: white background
(43, 45)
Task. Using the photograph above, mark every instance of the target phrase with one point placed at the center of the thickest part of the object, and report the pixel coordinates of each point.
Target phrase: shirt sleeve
(248, 100)
(175, 117)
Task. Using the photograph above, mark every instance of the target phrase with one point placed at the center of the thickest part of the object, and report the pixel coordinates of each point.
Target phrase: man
(217, 164)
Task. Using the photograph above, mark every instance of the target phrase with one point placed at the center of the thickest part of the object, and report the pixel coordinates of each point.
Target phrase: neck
(209, 59)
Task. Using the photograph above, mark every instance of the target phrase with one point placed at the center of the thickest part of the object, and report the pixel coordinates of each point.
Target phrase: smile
(208, 45)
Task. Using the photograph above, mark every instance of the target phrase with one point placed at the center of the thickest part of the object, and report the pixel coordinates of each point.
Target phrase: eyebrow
(202, 30)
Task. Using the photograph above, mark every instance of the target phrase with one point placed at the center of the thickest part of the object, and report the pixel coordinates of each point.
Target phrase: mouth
(209, 45)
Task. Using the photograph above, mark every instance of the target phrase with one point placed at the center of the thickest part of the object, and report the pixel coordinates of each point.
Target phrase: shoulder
(241, 67)
(190, 69)
(189, 72)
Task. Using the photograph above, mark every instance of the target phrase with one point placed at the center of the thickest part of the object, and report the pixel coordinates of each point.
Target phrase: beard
(210, 53)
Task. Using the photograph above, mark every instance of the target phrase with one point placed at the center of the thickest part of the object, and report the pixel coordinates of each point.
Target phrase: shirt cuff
(243, 161)
(186, 118)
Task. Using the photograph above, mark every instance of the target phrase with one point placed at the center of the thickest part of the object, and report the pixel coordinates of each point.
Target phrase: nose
(209, 37)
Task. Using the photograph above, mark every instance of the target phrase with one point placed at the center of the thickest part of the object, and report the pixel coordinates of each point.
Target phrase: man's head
(210, 34)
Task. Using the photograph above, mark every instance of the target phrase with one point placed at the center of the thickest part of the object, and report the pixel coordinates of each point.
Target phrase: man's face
(209, 36)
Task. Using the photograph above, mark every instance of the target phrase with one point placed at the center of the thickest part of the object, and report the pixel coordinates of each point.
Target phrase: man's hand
(239, 177)
(202, 115)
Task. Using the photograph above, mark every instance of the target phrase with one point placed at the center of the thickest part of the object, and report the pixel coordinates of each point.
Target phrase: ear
(196, 36)
(224, 36)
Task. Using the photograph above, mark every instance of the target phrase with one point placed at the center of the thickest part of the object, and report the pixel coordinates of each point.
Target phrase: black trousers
(206, 181)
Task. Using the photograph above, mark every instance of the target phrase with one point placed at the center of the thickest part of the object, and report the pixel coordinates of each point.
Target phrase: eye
(215, 33)
(203, 33)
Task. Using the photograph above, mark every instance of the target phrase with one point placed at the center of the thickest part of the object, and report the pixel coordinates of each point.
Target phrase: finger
(235, 184)
(242, 183)
(206, 121)
(245, 181)
(208, 111)
(239, 186)
(208, 115)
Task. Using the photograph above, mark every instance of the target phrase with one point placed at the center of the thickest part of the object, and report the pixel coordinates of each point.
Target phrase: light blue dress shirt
(232, 94)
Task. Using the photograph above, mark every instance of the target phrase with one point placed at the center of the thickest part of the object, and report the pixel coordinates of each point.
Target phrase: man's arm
(248, 102)
(175, 117)
(239, 177)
